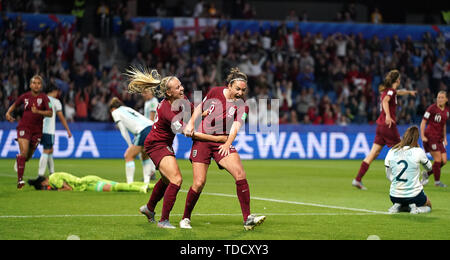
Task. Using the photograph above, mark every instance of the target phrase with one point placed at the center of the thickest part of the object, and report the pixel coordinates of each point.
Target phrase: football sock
(437, 171)
(43, 164)
(157, 195)
(20, 167)
(51, 164)
(243, 193)
(147, 168)
(169, 200)
(129, 170)
(191, 200)
(362, 171)
(126, 187)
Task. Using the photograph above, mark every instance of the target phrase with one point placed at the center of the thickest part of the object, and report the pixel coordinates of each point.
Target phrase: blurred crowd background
(329, 80)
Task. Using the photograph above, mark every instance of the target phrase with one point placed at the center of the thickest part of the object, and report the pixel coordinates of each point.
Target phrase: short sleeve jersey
(392, 105)
(150, 106)
(29, 119)
(405, 166)
(131, 119)
(221, 112)
(49, 126)
(169, 121)
(436, 120)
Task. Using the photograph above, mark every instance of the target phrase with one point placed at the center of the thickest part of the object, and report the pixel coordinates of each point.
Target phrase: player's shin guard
(157, 195)
(147, 168)
(243, 193)
(437, 171)
(43, 164)
(20, 167)
(169, 200)
(191, 200)
(129, 170)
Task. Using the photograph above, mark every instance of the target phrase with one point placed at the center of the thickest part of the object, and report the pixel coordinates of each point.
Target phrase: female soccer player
(29, 130)
(433, 130)
(158, 143)
(128, 119)
(226, 114)
(63, 181)
(386, 132)
(403, 170)
(48, 131)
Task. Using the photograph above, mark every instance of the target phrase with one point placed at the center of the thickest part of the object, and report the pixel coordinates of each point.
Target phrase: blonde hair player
(158, 144)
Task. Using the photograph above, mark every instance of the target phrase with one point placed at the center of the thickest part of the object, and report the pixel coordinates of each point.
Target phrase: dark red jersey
(169, 121)
(436, 120)
(29, 119)
(392, 105)
(221, 112)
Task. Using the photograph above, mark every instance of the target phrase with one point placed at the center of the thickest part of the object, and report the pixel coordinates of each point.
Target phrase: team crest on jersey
(22, 133)
(194, 153)
(231, 111)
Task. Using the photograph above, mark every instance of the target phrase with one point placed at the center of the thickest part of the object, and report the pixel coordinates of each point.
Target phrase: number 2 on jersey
(398, 178)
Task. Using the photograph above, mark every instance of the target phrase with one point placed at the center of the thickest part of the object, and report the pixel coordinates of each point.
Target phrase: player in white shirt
(128, 119)
(403, 170)
(150, 106)
(48, 131)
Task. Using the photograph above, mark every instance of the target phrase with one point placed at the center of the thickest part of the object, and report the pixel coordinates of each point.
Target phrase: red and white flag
(194, 25)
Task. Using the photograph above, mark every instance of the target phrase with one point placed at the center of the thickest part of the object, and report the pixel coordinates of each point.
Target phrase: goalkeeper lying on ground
(63, 181)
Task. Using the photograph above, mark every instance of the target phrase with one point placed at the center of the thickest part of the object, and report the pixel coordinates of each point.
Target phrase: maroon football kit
(436, 120)
(386, 135)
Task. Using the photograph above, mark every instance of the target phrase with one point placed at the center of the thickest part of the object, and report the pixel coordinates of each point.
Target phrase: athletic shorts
(202, 152)
(387, 136)
(157, 151)
(420, 200)
(34, 136)
(434, 146)
(140, 138)
(48, 141)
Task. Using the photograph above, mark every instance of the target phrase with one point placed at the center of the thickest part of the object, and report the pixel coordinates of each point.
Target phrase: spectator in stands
(376, 17)
(82, 105)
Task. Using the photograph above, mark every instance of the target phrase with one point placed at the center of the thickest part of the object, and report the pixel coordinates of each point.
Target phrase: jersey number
(398, 178)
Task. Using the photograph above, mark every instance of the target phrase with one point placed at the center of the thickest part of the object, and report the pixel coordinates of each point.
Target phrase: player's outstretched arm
(209, 138)
(8, 113)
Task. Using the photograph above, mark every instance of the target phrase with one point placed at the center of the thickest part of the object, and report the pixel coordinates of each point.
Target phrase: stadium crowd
(318, 79)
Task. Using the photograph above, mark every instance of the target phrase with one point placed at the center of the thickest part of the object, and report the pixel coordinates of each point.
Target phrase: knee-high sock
(157, 195)
(191, 200)
(169, 200)
(20, 167)
(362, 171)
(129, 170)
(243, 193)
(437, 171)
(43, 161)
(126, 187)
(51, 164)
(147, 168)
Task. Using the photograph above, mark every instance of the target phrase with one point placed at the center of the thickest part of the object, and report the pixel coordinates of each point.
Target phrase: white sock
(51, 164)
(43, 164)
(147, 168)
(129, 170)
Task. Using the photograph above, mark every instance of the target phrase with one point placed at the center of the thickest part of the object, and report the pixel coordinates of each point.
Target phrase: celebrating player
(48, 136)
(63, 181)
(433, 130)
(128, 119)
(226, 114)
(386, 132)
(158, 143)
(403, 170)
(29, 130)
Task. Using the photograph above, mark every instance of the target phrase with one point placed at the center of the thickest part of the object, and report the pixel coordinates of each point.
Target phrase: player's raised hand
(224, 149)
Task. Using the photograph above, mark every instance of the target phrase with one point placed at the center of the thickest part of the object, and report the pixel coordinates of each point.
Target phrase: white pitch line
(283, 201)
(198, 214)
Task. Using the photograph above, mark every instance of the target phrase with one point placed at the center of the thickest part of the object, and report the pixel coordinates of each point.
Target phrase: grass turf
(302, 199)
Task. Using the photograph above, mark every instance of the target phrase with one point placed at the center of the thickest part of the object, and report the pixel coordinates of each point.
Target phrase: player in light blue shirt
(129, 120)
(403, 170)
(48, 131)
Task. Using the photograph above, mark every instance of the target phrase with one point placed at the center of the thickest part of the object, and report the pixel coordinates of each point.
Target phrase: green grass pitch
(303, 200)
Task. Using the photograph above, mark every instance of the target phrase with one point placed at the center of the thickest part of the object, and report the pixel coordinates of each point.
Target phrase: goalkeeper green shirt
(57, 179)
